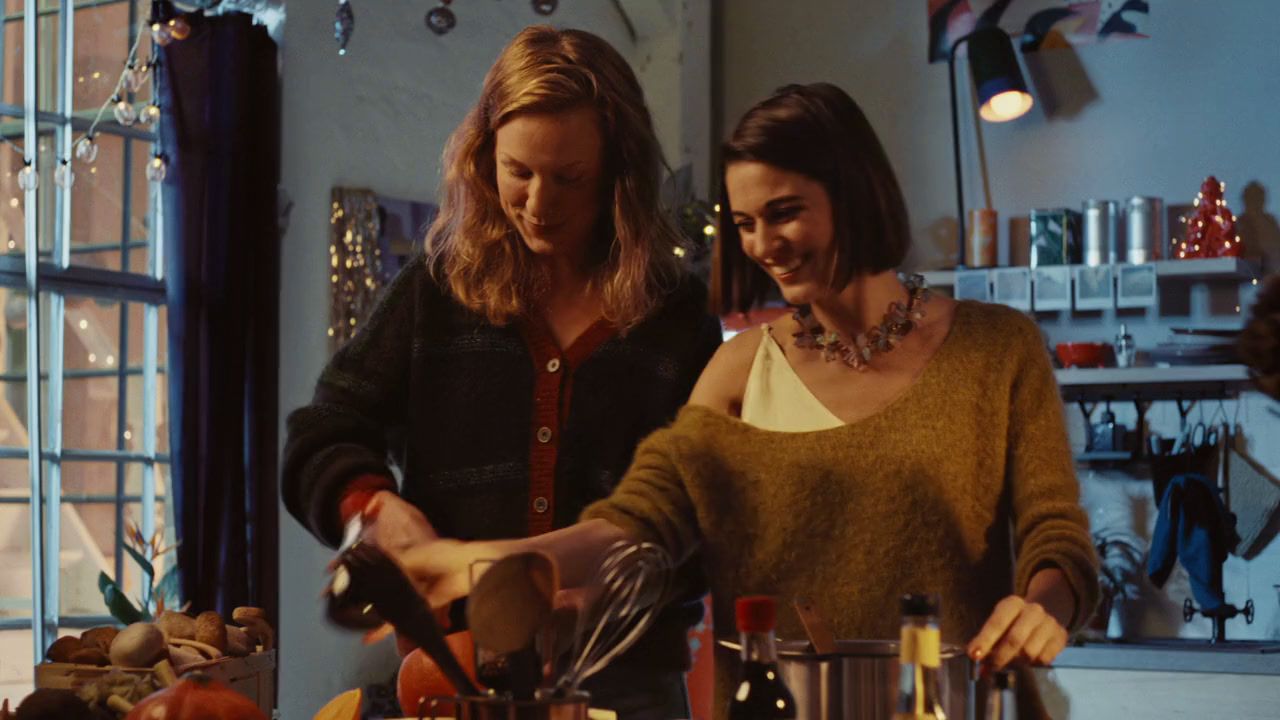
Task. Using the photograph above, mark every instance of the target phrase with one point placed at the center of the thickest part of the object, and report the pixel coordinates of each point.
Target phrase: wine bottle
(919, 656)
(761, 694)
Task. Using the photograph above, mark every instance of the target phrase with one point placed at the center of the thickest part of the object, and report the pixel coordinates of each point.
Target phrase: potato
(90, 656)
(99, 637)
(211, 630)
(177, 625)
(63, 648)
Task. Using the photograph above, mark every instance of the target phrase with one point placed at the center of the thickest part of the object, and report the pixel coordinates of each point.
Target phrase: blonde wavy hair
(475, 250)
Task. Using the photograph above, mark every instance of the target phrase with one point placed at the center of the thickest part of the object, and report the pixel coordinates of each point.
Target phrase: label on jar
(921, 646)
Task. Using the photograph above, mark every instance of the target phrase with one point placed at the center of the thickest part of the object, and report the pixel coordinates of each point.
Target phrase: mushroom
(182, 656)
(239, 644)
(139, 645)
(254, 620)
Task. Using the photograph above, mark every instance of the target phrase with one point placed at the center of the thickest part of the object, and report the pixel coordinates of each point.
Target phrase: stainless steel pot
(859, 681)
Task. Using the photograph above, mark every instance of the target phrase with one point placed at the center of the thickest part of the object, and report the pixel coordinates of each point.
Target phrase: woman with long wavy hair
(510, 371)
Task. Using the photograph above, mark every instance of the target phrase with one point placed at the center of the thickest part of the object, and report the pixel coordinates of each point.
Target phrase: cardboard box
(252, 676)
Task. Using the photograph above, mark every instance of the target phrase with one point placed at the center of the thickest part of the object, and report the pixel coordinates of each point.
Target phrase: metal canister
(1101, 230)
(1055, 237)
(1144, 229)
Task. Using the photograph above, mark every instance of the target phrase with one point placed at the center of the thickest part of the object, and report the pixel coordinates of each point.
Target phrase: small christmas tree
(1211, 228)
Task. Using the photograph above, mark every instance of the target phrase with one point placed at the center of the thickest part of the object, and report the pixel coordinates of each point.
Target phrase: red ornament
(1211, 228)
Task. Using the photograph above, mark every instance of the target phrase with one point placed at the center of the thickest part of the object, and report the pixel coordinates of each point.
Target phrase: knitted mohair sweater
(963, 486)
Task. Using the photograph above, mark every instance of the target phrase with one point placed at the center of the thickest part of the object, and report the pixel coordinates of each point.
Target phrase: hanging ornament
(135, 76)
(441, 20)
(28, 178)
(63, 177)
(86, 150)
(544, 7)
(126, 114)
(157, 168)
(179, 28)
(160, 34)
(344, 24)
(150, 114)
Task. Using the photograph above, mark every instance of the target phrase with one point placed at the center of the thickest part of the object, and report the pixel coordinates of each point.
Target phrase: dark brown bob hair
(817, 131)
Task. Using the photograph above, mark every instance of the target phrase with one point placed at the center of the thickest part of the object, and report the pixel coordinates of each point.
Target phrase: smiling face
(549, 168)
(784, 220)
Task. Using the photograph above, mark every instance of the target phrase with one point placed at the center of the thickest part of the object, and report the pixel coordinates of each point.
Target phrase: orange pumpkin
(343, 707)
(196, 697)
(420, 676)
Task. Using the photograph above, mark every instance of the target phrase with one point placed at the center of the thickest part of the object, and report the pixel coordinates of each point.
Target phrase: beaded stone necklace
(898, 321)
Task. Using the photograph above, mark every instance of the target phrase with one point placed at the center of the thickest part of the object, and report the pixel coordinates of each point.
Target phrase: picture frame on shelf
(1094, 287)
(1012, 287)
(1051, 287)
(1136, 286)
(973, 285)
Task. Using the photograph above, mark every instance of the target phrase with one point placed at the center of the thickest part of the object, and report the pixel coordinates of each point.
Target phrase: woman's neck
(861, 304)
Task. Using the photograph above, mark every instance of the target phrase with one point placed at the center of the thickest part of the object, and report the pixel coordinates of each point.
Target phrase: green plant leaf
(143, 562)
(118, 604)
(170, 587)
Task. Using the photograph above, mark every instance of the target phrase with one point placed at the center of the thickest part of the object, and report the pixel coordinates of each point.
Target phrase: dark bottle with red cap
(760, 692)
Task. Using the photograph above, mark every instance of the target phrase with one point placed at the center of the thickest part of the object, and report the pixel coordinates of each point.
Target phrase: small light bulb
(679, 251)
(63, 177)
(93, 358)
(28, 178)
(126, 114)
(128, 434)
(330, 332)
(84, 324)
(179, 28)
(111, 360)
(86, 150)
(709, 230)
(157, 169)
(717, 206)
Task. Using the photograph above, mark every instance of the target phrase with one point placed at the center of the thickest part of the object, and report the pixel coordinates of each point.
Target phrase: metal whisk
(632, 581)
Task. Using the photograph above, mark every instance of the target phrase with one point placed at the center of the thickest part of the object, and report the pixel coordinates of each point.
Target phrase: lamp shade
(1002, 92)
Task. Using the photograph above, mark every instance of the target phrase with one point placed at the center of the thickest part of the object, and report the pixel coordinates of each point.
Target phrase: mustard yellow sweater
(963, 486)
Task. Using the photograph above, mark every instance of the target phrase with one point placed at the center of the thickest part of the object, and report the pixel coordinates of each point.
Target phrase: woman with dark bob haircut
(880, 441)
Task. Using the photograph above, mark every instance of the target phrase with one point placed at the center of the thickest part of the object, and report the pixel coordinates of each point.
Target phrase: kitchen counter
(1247, 657)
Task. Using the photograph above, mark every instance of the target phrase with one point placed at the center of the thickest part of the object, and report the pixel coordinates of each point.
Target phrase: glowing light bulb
(1008, 105)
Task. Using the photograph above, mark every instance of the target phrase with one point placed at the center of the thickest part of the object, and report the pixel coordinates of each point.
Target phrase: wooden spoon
(815, 626)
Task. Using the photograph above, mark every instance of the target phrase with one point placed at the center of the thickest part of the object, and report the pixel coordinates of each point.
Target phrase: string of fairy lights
(124, 106)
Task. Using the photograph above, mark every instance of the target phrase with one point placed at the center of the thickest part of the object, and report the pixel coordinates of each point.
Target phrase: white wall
(378, 118)
(1200, 97)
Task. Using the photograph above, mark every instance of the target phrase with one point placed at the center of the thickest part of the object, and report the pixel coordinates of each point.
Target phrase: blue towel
(1195, 529)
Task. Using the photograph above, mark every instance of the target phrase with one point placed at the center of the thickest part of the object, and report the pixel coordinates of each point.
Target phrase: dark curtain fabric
(220, 92)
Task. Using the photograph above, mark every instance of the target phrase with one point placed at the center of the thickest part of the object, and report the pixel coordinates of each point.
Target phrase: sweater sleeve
(651, 503)
(1050, 527)
(342, 434)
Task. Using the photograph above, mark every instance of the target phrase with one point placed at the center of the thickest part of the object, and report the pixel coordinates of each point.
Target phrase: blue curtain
(220, 93)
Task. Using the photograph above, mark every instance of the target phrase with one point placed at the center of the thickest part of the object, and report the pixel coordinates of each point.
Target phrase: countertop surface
(1251, 657)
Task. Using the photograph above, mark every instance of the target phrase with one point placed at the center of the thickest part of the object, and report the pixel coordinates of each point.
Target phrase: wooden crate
(252, 676)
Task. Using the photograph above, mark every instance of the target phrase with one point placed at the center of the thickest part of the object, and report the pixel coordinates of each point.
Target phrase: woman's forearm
(577, 549)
